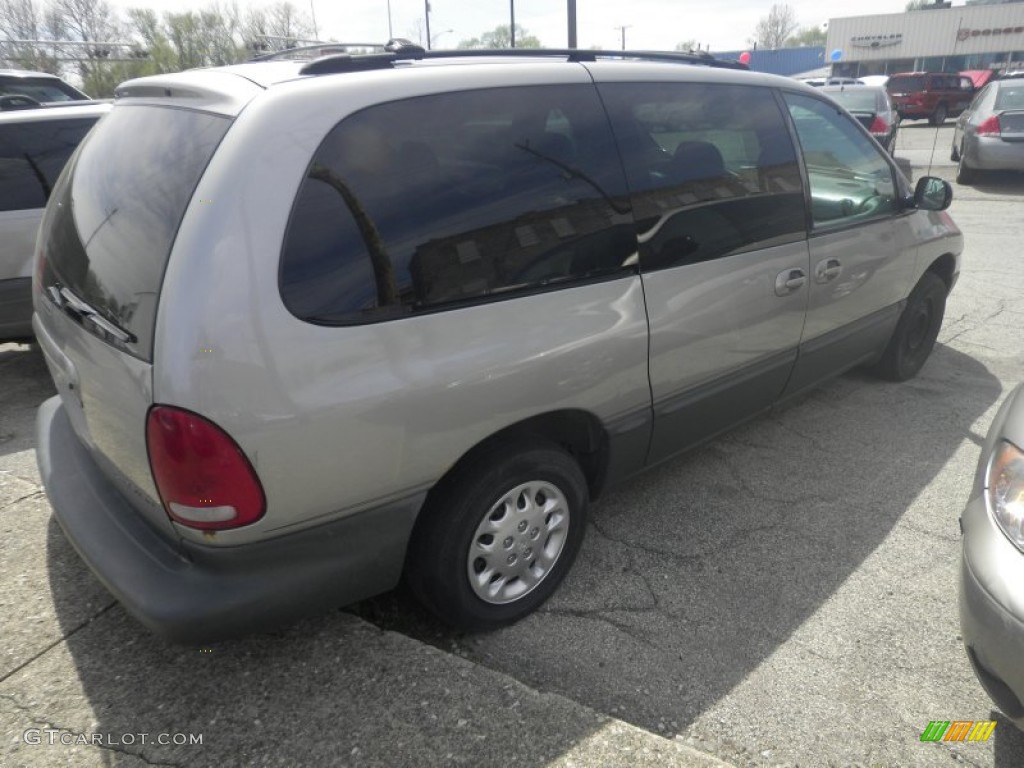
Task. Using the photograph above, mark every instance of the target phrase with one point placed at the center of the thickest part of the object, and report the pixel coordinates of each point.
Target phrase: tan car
(319, 326)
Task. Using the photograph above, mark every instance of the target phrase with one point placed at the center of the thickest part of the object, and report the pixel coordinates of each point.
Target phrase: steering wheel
(18, 101)
(870, 204)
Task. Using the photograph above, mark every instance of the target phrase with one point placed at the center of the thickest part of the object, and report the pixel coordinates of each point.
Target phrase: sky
(650, 24)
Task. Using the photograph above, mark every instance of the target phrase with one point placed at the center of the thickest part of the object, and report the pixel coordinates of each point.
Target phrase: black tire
(954, 153)
(438, 564)
(938, 117)
(916, 331)
(964, 173)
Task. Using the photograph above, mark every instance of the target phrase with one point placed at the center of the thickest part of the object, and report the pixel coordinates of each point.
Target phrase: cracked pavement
(785, 595)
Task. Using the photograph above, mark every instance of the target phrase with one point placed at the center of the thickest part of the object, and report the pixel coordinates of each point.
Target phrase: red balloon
(745, 57)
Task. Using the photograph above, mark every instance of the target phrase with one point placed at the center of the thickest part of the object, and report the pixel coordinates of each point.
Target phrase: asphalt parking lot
(784, 596)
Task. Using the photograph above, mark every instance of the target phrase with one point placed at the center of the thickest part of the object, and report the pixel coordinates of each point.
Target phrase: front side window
(438, 200)
(31, 158)
(712, 169)
(39, 89)
(850, 179)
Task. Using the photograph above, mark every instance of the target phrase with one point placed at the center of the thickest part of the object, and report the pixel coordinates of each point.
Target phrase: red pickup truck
(931, 95)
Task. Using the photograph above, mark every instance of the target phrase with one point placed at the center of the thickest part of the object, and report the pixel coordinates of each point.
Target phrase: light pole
(623, 29)
(426, 15)
(571, 14)
(438, 35)
(391, 34)
(512, 16)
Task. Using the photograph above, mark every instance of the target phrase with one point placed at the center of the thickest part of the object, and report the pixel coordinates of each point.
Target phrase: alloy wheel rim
(518, 542)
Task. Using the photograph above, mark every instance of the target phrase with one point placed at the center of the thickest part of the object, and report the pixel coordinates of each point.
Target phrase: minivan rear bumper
(192, 593)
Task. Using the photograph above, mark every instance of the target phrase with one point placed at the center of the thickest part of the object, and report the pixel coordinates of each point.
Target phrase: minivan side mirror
(932, 194)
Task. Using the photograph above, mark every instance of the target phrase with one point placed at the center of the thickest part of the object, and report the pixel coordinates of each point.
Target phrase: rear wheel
(939, 115)
(497, 537)
(916, 331)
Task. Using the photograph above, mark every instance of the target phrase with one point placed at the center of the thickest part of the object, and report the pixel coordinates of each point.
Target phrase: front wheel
(939, 115)
(497, 537)
(916, 331)
(964, 173)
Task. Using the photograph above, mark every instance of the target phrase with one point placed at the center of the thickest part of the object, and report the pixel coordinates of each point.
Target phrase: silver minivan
(318, 325)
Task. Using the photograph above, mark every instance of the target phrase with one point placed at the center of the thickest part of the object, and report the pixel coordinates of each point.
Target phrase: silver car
(873, 108)
(34, 145)
(989, 135)
(992, 566)
(318, 325)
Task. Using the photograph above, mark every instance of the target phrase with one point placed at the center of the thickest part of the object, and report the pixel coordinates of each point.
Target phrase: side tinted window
(712, 169)
(419, 203)
(31, 158)
(849, 177)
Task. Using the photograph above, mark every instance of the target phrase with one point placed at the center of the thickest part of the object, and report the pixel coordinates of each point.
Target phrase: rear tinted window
(31, 158)
(905, 84)
(1010, 96)
(433, 201)
(856, 100)
(119, 208)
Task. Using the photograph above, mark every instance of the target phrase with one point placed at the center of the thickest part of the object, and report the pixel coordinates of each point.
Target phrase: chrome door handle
(826, 270)
(788, 281)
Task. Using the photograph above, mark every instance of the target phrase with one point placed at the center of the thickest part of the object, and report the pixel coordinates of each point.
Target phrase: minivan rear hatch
(101, 256)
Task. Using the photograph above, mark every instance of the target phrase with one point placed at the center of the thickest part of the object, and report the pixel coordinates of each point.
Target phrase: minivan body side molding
(862, 341)
(688, 418)
(629, 438)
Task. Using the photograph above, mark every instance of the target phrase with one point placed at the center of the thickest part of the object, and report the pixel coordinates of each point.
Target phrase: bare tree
(287, 21)
(771, 32)
(87, 20)
(418, 31)
(25, 20)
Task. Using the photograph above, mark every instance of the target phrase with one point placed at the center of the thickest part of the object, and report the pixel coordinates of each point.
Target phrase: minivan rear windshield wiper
(84, 312)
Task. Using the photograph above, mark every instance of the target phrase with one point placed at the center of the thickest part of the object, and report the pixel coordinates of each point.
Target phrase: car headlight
(1004, 490)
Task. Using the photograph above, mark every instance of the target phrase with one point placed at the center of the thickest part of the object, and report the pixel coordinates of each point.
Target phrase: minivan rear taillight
(878, 127)
(989, 127)
(204, 479)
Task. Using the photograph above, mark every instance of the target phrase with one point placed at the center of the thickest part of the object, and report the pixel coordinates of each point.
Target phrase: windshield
(856, 99)
(110, 225)
(905, 84)
(1010, 97)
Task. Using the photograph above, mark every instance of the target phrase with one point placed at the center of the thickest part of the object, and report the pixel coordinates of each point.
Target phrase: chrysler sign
(876, 41)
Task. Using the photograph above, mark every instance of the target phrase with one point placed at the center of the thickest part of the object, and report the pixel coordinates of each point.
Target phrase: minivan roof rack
(316, 50)
(398, 50)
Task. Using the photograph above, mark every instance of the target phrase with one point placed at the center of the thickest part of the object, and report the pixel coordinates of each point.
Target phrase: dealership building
(935, 40)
